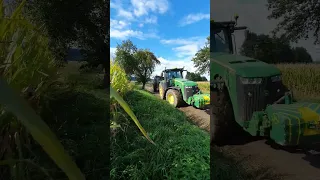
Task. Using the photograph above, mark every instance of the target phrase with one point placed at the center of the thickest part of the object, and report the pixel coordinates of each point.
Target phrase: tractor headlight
(251, 80)
(276, 78)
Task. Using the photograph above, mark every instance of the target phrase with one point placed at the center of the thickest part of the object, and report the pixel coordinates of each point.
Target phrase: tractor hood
(185, 82)
(245, 66)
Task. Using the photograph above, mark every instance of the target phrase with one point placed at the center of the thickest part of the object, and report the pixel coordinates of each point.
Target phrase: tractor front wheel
(174, 97)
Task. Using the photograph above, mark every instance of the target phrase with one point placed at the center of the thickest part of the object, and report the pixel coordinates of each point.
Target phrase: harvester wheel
(174, 97)
(222, 116)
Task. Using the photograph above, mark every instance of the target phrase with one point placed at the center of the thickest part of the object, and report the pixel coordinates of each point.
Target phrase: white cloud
(120, 11)
(117, 34)
(165, 63)
(186, 50)
(151, 20)
(125, 14)
(193, 18)
(143, 7)
(125, 34)
(113, 52)
(185, 47)
(141, 25)
(118, 24)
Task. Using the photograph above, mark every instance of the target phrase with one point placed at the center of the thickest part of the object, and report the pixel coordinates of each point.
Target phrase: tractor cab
(223, 39)
(169, 75)
(245, 84)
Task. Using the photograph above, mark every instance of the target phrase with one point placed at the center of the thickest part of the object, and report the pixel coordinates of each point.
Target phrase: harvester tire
(222, 117)
(174, 97)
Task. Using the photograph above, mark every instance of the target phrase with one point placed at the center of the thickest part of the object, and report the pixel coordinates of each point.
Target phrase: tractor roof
(224, 24)
(173, 69)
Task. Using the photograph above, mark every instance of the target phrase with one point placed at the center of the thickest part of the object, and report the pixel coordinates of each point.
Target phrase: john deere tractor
(178, 91)
(249, 94)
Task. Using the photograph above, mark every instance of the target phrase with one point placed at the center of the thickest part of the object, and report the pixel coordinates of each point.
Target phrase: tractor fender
(175, 88)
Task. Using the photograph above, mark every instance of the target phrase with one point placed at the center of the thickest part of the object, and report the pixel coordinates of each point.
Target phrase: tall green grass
(28, 67)
(182, 150)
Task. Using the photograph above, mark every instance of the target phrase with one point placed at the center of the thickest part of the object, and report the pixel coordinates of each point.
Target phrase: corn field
(27, 68)
(204, 86)
(302, 79)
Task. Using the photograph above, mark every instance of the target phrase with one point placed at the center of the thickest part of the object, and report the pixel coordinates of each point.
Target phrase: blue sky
(173, 30)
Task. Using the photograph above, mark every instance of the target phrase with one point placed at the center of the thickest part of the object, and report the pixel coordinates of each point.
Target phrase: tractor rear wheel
(174, 97)
(222, 116)
(155, 88)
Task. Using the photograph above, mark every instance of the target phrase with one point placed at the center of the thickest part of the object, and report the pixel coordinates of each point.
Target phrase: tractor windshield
(174, 74)
(219, 42)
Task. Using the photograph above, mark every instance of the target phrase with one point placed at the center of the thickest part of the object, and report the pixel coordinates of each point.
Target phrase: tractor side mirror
(236, 17)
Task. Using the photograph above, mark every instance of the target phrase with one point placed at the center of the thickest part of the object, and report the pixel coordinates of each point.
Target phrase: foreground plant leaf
(126, 107)
(39, 130)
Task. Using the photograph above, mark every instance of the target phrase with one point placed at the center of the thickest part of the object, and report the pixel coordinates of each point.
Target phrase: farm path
(256, 154)
(200, 117)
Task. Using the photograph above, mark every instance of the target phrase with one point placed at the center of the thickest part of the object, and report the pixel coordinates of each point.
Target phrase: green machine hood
(295, 124)
(244, 66)
(185, 82)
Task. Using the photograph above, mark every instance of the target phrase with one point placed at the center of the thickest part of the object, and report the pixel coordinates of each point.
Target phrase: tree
(202, 58)
(301, 55)
(195, 77)
(272, 49)
(124, 55)
(145, 64)
(298, 18)
(138, 62)
(83, 24)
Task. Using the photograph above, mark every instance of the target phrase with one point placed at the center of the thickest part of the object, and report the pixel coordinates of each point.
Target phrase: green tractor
(249, 94)
(178, 91)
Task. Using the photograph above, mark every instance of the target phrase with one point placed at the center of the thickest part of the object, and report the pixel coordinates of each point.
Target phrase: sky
(253, 14)
(173, 30)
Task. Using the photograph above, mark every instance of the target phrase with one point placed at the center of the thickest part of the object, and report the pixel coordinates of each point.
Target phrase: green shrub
(118, 78)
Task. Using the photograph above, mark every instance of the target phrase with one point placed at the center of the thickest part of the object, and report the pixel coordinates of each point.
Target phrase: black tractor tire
(222, 117)
(161, 91)
(155, 88)
(176, 96)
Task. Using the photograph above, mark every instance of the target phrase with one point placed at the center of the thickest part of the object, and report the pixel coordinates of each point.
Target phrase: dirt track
(258, 154)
